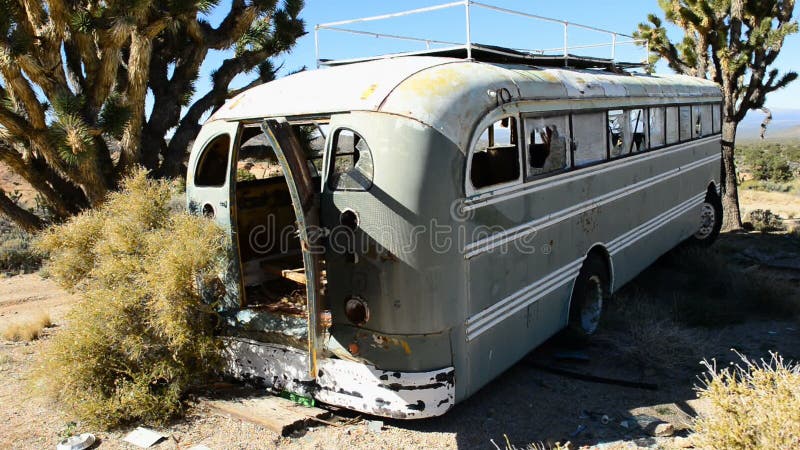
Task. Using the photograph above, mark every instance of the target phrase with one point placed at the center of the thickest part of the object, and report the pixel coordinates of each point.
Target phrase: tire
(710, 220)
(591, 291)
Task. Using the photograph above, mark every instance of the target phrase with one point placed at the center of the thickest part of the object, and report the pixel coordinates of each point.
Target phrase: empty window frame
(256, 159)
(672, 125)
(705, 120)
(212, 167)
(351, 167)
(657, 120)
(617, 132)
(495, 157)
(716, 111)
(685, 123)
(588, 146)
(637, 127)
(546, 144)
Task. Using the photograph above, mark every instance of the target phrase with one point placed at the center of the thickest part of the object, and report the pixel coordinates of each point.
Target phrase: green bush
(16, 252)
(140, 335)
(768, 162)
(764, 220)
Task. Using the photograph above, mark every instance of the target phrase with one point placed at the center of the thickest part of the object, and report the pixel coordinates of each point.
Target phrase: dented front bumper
(349, 384)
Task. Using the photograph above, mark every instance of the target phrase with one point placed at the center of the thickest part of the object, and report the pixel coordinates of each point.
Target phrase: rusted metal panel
(361, 387)
(352, 87)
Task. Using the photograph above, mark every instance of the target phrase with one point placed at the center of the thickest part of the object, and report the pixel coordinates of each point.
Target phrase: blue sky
(488, 27)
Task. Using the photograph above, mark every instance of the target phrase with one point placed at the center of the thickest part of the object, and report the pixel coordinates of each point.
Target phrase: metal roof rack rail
(553, 57)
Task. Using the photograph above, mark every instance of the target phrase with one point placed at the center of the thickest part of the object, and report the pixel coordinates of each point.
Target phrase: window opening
(547, 144)
(212, 169)
(495, 158)
(586, 129)
(352, 167)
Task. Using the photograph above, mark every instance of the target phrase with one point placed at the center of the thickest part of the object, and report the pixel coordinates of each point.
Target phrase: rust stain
(369, 91)
(438, 82)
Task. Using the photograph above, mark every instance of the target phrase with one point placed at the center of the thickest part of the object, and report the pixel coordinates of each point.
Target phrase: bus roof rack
(552, 57)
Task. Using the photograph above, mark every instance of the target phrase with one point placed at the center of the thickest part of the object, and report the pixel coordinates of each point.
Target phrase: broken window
(212, 168)
(547, 144)
(495, 158)
(706, 117)
(589, 146)
(657, 127)
(351, 168)
(616, 132)
(256, 158)
(685, 123)
(636, 121)
(672, 124)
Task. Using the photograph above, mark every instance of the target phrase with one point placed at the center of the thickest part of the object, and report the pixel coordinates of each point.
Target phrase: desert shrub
(28, 330)
(16, 252)
(753, 405)
(140, 336)
(767, 163)
(764, 220)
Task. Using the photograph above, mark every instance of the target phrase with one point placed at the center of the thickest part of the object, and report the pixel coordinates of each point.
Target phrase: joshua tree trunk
(730, 193)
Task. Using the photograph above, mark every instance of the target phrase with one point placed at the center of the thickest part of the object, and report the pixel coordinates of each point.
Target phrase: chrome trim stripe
(490, 242)
(517, 191)
(498, 312)
(637, 233)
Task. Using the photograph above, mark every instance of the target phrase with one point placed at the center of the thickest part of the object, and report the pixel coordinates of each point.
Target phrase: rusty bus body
(445, 216)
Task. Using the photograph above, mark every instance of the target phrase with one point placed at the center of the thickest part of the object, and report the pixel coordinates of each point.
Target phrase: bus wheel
(590, 292)
(710, 219)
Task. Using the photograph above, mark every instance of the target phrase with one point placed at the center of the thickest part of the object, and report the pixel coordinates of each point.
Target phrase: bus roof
(449, 94)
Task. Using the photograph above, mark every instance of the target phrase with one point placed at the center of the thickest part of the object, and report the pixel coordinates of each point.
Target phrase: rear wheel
(710, 220)
(592, 289)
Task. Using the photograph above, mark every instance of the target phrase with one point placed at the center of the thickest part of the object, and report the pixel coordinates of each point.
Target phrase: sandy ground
(785, 205)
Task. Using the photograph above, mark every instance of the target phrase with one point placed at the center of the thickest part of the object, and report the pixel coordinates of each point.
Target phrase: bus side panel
(524, 290)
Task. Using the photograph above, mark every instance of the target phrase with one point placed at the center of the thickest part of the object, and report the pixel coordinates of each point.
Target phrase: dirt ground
(527, 404)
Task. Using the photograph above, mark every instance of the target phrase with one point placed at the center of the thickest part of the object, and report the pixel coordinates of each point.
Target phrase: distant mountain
(785, 124)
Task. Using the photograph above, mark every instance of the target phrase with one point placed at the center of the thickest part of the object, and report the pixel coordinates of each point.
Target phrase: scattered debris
(375, 426)
(275, 413)
(79, 442)
(664, 430)
(605, 420)
(581, 428)
(592, 378)
(143, 437)
(572, 355)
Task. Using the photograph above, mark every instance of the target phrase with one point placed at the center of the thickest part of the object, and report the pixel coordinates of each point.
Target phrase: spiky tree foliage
(74, 76)
(734, 43)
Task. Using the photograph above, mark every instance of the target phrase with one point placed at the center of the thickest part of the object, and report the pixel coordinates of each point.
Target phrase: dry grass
(753, 405)
(29, 330)
(142, 336)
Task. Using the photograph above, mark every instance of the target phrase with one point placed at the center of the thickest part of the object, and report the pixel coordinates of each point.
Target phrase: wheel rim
(708, 217)
(592, 305)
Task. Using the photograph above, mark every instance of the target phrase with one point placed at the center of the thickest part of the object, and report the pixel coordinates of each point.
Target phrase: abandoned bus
(404, 229)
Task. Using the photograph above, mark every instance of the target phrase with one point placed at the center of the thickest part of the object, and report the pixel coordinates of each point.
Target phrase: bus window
(706, 117)
(351, 168)
(716, 111)
(638, 142)
(213, 166)
(685, 122)
(656, 127)
(495, 158)
(697, 124)
(589, 146)
(547, 144)
(672, 124)
(616, 132)
(256, 159)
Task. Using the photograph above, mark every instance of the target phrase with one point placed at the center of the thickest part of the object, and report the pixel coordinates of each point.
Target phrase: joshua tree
(74, 77)
(732, 42)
